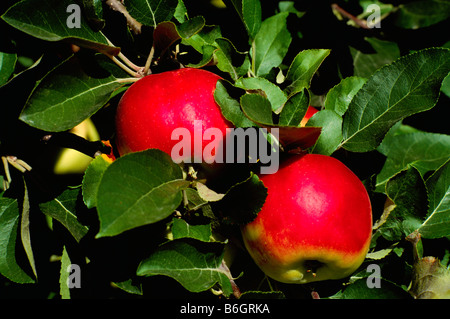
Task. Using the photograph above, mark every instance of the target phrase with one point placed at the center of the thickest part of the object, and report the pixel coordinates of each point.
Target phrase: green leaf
(91, 180)
(130, 287)
(207, 194)
(446, 86)
(164, 35)
(63, 208)
(420, 14)
(138, 189)
(25, 230)
(167, 33)
(437, 224)
(360, 290)
(294, 109)
(365, 64)
(408, 193)
(194, 200)
(64, 289)
(237, 5)
(191, 27)
(302, 69)
(47, 20)
(274, 94)
(180, 12)
(257, 108)
(196, 265)
(271, 44)
(181, 229)
(206, 37)
(424, 151)
(242, 202)
(207, 57)
(230, 60)
(230, 107)
(405, 87)
(251, 15)
(340, 96)
(93, 11)
(67, 95)
(151, 12)
(9, 223)
(330, 136)
(7, 65)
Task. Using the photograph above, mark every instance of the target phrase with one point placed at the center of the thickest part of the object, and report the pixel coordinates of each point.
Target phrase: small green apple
(316, 223)
(71, 161)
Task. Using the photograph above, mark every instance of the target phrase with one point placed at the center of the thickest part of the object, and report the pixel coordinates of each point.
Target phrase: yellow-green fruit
(218, 3)
(71, 161)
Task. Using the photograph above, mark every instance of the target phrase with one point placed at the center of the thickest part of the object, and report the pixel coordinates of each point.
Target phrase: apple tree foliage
(143, 226)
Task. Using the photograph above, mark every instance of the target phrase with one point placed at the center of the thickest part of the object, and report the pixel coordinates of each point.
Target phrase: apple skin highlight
(316, 222)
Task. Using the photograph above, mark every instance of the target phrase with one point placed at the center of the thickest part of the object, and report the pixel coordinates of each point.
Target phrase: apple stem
(127, 61)
(19, 164)
(269, 283)
(185, 198)
(8, 180)
(127, 80)
(147, 70)
(123, 66)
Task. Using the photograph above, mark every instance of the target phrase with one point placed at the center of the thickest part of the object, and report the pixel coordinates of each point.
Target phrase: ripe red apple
(316, 222)
(309, 113)
(153, 107)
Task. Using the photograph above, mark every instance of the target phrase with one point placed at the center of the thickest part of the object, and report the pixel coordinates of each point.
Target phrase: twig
(127, 80)
(132, 22)
(360, 22)
(123, 66)
(127, 61)
(73, 141)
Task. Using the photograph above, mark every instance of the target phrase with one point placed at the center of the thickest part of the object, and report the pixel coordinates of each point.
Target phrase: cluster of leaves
(142, 215)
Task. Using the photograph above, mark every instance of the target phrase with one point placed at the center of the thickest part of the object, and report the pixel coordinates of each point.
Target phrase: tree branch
(118, 6)
(360, 22)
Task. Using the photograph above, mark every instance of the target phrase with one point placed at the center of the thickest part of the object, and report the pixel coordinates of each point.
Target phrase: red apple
(156, 105)
(316, 222)
(309, 113)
